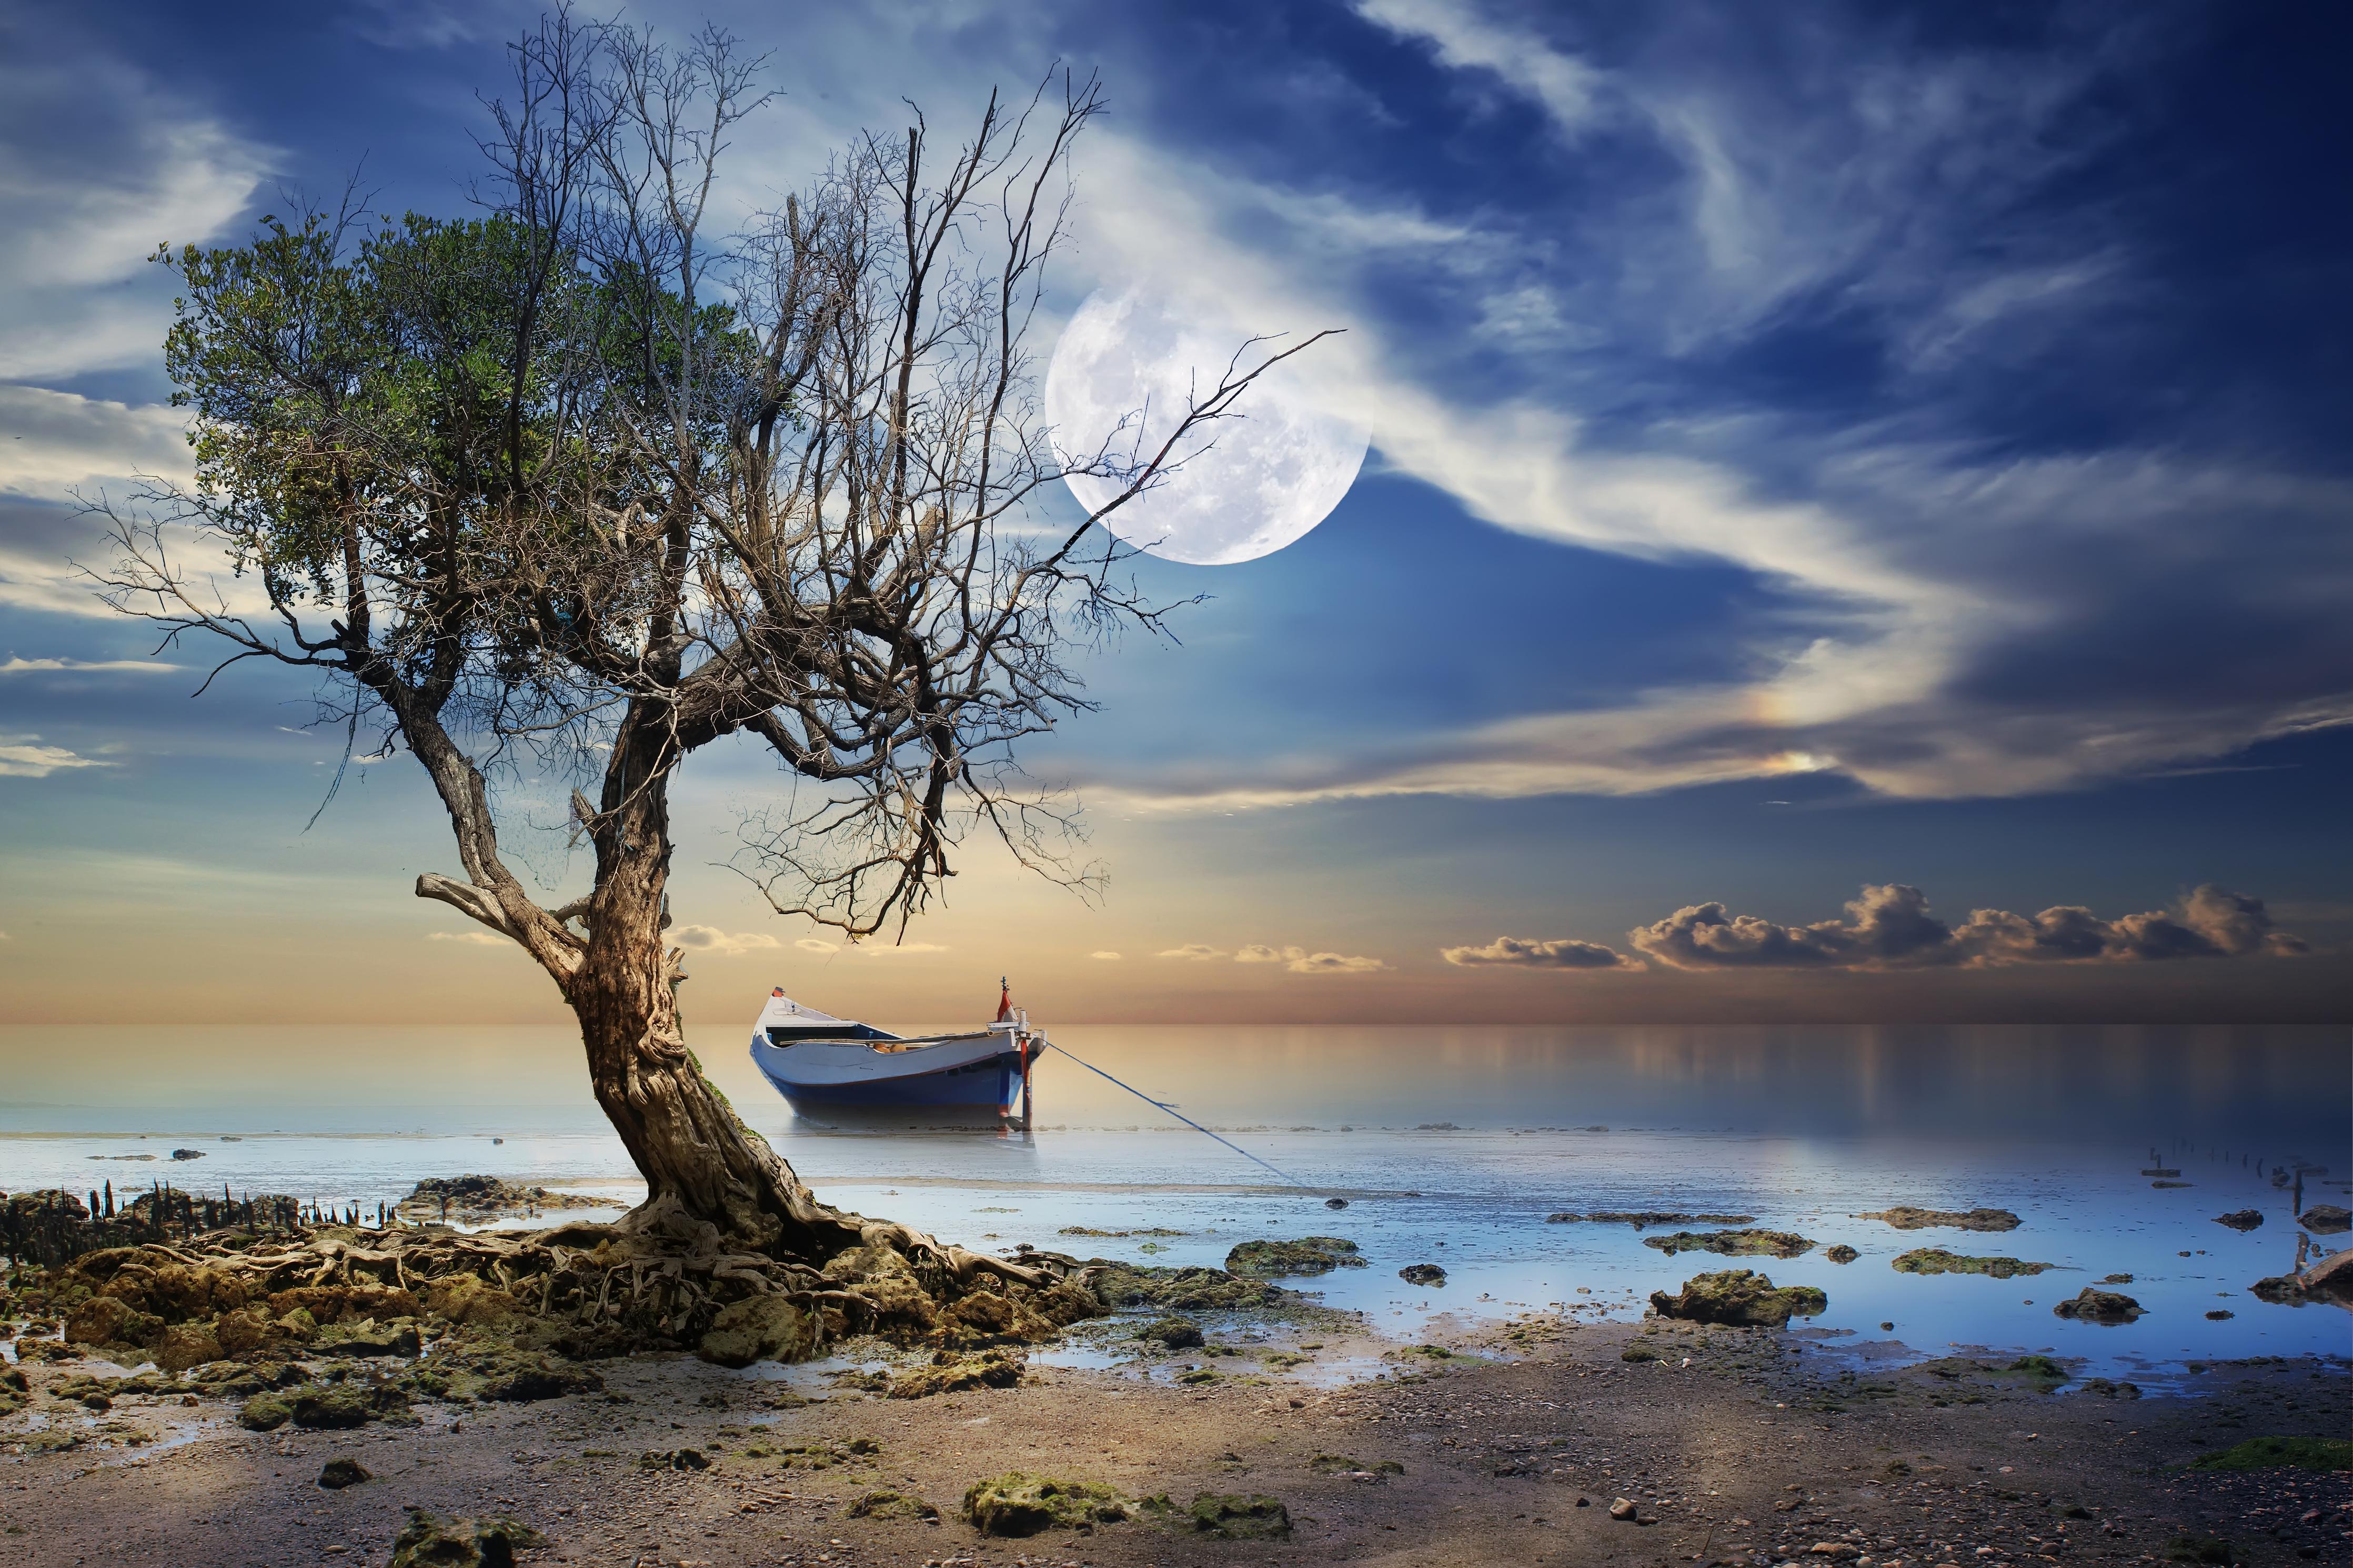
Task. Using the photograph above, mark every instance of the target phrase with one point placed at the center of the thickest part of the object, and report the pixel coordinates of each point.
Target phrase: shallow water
(1452, 1147)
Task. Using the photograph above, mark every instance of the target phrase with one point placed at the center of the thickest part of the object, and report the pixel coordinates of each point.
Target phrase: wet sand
(1735, 1447)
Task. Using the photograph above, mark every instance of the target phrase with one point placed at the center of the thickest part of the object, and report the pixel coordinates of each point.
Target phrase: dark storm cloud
(1890, 927)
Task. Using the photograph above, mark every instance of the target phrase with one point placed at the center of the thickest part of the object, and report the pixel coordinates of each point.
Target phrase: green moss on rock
(888, 1504)
(2271, 1453)
(1936, 1260)
(2096, 1306)
(955, 1374)
(428, 1541)
(1733, 1242)
(1172, 1333)
(1239, 1517)
(1308, 1254)
(1739, 1297)
(1903, 1217)
(1021, 1503)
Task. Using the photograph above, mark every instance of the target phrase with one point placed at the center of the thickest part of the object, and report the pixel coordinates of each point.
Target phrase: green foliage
(2268, 1453)
(442, 418)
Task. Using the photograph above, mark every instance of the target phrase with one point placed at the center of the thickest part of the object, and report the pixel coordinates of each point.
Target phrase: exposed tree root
(656, 1278)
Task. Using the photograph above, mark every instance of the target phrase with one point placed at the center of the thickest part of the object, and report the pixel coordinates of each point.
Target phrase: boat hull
(978, 1074)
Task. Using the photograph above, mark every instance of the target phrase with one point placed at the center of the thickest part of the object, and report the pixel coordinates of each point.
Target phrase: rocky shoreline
(341, 1395)
(1538, 1441)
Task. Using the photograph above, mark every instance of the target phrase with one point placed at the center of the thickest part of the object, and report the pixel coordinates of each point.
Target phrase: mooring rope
(1188, 1121)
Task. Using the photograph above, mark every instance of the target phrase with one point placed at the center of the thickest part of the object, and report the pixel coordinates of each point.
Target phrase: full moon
(1248, 485)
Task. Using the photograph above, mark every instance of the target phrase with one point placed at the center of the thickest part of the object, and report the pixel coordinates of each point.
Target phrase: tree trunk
(703, 1165)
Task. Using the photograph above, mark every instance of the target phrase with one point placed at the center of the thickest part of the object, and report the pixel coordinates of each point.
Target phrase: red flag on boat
(1005, 1001)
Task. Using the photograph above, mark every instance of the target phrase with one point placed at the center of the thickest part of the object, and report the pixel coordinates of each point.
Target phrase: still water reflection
(1455, 1144)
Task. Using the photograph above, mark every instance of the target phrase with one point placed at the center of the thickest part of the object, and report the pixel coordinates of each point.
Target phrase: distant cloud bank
(1890, 927)
(1296, 960)
(1518, 953)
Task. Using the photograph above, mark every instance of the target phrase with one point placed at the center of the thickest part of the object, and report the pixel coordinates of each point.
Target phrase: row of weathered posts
(51, 1227)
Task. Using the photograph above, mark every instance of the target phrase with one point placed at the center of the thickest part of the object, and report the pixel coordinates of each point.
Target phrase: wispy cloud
(470, 938)
(1890, 927)
(123, 162)
(54, 443)
(1294, 959)
(1107, 956)
(1464, 39)
(24, 757)
(735, 945)
(14, 666)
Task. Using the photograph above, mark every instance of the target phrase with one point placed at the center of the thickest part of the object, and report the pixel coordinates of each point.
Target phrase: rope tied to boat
(1164, 1105)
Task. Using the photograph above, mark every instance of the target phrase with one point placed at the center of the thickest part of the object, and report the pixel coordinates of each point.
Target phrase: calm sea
(1453, 1144)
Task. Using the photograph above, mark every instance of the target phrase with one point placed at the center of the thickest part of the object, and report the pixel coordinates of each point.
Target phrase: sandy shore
(1735, 1447)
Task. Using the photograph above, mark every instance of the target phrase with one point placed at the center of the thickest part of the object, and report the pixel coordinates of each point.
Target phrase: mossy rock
(1733, 1242)
(955, 1375)
(337, 1408)
(1841, 1253)
(1903, 1217)
(2041, 1368)
(1307, 1255)
(1936, 1260)
(2272, 1453)
(428, 1541)
(1239, 1517)
(1740, 1297)
(268, 1412)
(1184, 1290)
(1642, 1219)
(673, 1459)
(337, 1474)
(1021, 1503)
(761, 1328)
(521, 1377)
(888, 1504)
(1342, 1465)
(1171, 1333)
(1422, 1274)
(398, 1336)
(1638, 1354)
(2096, 1306)
(2208, 1550)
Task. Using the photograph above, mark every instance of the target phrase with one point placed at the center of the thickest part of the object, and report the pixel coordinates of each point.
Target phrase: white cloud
(23, 757)
(99, 165)
(15, 666)
(817, 944)
(1464, 39)
(1300, 962)
(899, 950)
(470, 938)
(1108, 957)
(1891, 927)
(728, 944)
(1918, 566)
(1521, 953)
(1297, 960)
(54, 443)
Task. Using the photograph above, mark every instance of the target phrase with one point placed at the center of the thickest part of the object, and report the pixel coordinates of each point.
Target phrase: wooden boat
(820, 1063)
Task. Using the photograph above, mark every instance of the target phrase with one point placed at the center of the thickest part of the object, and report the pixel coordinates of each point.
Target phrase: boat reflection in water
(838, 1072)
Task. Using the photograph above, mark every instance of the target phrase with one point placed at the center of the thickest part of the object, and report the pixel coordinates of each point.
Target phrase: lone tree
(579, 483)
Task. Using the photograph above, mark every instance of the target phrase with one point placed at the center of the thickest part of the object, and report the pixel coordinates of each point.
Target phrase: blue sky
(1815, 448)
